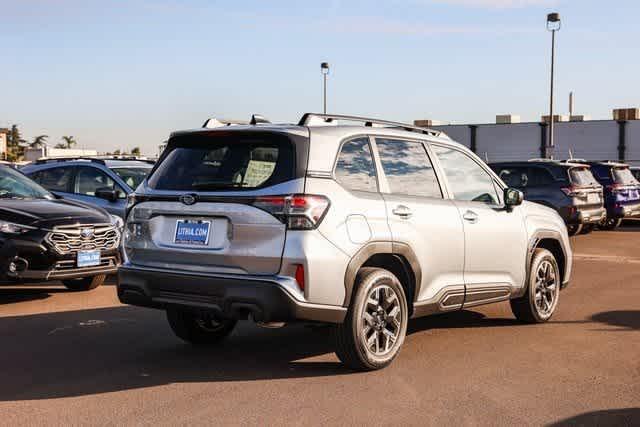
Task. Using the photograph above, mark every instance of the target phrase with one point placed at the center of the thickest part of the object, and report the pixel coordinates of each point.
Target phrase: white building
(33, 154)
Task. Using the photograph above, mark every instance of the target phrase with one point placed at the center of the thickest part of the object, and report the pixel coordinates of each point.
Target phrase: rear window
(582, 176)
(228, 163)
(623, 176)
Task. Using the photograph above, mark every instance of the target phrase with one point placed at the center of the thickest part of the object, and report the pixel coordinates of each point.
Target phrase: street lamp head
(324, 67)
(553, 21)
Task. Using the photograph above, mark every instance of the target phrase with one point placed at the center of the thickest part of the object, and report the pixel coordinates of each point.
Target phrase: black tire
(84, 284)
(525, 308)
(610, 224)
(199, 329)
(361, 329)
(574, 229)
(587, 228)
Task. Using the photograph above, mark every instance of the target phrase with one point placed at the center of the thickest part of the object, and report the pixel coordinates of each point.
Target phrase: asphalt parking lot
(82, 358)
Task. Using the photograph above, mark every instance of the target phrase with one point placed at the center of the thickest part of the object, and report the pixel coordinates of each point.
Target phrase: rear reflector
(300, 276)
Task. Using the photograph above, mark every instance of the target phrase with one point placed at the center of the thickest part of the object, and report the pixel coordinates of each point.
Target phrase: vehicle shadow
(86, 352)
(14, 295)
(625, 319)
(610, 418)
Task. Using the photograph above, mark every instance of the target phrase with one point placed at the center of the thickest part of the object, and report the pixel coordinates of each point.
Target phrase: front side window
(355, 169)
(89, 180)
(514, 177)
(14, 185)
(132, 176)
(467, 179)
(55, 179)
(408, 168)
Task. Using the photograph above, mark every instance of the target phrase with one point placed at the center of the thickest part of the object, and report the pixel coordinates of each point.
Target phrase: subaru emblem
(86, 233)
(188, 199)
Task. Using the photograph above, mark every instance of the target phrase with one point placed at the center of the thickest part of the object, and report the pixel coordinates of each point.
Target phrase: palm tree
(39, 141)
(61, 145)
(69, 141)
(135, 151)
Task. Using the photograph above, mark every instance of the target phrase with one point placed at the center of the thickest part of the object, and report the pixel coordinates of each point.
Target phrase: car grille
(68, 240)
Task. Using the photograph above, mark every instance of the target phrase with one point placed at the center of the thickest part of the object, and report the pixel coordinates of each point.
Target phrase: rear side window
(539, 177)
(355, 169)
(408, 168)
(55, 179)
(211, 163)
(582, 176)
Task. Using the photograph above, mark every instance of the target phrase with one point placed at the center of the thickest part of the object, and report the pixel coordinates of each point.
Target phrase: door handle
(402, 211)
(470, 216)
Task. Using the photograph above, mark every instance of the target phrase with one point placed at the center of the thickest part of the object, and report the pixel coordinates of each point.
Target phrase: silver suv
(355, 222)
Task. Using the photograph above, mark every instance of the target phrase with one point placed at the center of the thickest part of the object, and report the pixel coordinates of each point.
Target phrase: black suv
(569, 188)
(45, 238)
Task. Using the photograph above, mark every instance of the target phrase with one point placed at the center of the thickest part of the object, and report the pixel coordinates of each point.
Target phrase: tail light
(297, 211)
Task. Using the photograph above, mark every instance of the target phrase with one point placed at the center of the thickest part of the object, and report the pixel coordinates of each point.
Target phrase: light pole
(553, 25)
(324, 68)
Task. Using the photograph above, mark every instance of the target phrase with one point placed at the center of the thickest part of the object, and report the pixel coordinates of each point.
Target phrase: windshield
(219, 165)
(623, 176)
(14, 185)
(132, 176)
(582, 176)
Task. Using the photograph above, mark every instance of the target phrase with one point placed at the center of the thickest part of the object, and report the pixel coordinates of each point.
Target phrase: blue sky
(119, 74)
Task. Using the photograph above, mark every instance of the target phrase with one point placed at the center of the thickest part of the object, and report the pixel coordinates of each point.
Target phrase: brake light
(297, 211)
(300, 276)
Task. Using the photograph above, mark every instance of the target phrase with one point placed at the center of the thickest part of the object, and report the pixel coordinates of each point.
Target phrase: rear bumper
(265, 298)
(626, 211)
(587, 216)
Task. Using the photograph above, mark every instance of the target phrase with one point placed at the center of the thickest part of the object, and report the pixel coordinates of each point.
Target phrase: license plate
(192, 232)
(593, 198)
(88, 258)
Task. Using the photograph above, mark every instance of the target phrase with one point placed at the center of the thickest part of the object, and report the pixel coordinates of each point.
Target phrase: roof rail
(68, 159)
(542, 159)
(94, 159)
(328, 118)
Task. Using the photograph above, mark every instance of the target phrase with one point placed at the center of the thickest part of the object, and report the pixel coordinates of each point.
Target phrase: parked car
(43, 237)
(621, 191)
(568, 188)
(102, 182)
(360, 226)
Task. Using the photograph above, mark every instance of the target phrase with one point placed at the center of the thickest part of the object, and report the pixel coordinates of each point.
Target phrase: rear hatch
(585, 191)
(625, 188)
(207, 206)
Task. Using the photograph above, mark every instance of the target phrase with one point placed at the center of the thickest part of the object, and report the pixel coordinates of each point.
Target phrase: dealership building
(575, 136)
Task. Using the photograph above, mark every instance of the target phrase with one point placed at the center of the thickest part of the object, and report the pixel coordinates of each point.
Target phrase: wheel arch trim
(381, 248)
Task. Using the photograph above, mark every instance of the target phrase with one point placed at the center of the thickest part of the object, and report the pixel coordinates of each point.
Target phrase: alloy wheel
(382, 320)
(546, 288)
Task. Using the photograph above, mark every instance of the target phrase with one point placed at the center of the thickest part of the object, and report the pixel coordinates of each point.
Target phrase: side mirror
(107, 193)
(512, 197)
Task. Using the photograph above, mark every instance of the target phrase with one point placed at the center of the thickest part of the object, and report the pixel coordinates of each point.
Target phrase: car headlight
(12, 228)
(117, 221)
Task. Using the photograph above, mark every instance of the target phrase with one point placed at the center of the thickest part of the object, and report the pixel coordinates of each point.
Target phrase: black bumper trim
(264, 299)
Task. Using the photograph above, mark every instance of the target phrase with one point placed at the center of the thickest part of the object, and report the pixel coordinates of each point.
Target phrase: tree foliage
(15, 144)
